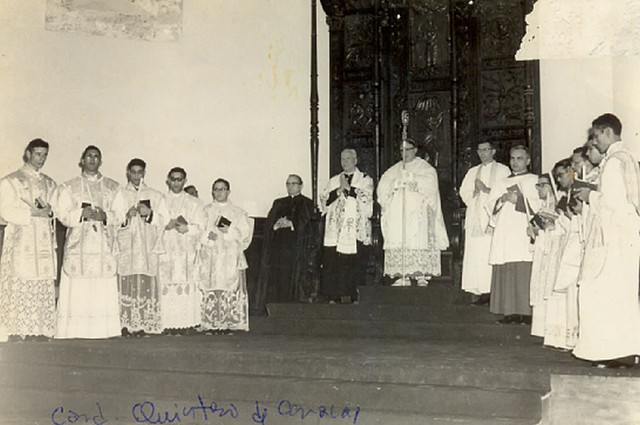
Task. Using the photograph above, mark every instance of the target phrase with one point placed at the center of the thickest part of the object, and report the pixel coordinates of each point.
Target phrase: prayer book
(520, 206)
(578, 184)
(223, 221)
(40, 204)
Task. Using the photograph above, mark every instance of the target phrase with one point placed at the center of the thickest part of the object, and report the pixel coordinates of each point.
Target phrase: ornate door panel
(450, 64)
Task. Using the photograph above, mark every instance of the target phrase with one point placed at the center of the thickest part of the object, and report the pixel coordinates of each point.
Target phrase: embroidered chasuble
(28, 263)
(178, 264)
(348, 215)
(88, 304)
(412, 222)
(223, 278)
(137, 247)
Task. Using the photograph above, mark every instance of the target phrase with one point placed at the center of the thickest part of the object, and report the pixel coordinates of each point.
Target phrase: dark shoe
(525, 320)
(481, 299)
(125, 333)
(139, 334)
(507, 320)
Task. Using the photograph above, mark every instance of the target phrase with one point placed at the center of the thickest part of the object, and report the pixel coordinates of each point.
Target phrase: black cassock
(285, 253)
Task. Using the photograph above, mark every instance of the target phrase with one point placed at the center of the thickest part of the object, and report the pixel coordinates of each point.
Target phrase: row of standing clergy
(591, 274)
(134, 258)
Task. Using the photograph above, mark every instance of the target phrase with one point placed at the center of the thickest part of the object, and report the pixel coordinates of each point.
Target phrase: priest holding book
(178, 272)
(227, 233)
(140, 214)
(512, 201)
(609, 309)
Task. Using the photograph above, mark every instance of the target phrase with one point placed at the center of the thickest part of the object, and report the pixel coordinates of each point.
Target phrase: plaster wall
(229, 99)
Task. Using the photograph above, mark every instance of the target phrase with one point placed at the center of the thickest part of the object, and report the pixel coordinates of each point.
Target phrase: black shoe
(525, 320)
(506, 320)
(482, 300)
(125, 333)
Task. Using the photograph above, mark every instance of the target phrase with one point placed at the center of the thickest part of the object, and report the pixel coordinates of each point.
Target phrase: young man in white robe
(474, 191)
(347, 204)
(227, 233)
(412, 222)
(180, 295)
(28, 264)
(140, 215)
(512, 201)
(547, 229)
(609, 309)
(88, 305)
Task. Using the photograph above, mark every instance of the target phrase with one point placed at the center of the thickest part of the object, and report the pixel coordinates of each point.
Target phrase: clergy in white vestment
(547, 228)
(227, 233)
(561, 321)
(347, 204)
(88, 304)
(609, 309)
(474, 191)
(28, 264)
(140, 217)
(180, 295)
(512, 201)
(412, 222)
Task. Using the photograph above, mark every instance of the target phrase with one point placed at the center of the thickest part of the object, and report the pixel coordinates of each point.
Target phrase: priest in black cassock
(284, 253)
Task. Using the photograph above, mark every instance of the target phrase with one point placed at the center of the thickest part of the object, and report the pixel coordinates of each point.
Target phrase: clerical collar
(140, 186)
(519, 173)
(28, 169)
(92, 177)
(488, 163)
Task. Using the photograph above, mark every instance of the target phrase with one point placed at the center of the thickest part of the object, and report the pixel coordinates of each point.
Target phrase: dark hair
(138, 162)
(582, 150)
(563, 163)
(296, 176)
(491, 143)
(178, 170)
(187, 188)
(36, 143)
(610, 121)
(221, 180)
(520, 148)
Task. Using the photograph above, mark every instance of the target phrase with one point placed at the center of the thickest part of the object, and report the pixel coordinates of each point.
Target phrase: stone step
(164, 388)
(117, 410)
(434, 363)
(443, 313)
(438, 293)
(426, 331)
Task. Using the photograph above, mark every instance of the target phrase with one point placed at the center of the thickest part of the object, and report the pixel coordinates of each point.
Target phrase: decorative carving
(429, 113)
(358, 41)
(502, 97)
(430, 6)
(429, 31)
(360, 110)
(502, 27)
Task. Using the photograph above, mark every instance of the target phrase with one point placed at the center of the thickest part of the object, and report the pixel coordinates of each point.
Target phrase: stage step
(444, 313)
(437, 293)
(245, 369)
(118, 411)
(471, 332)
